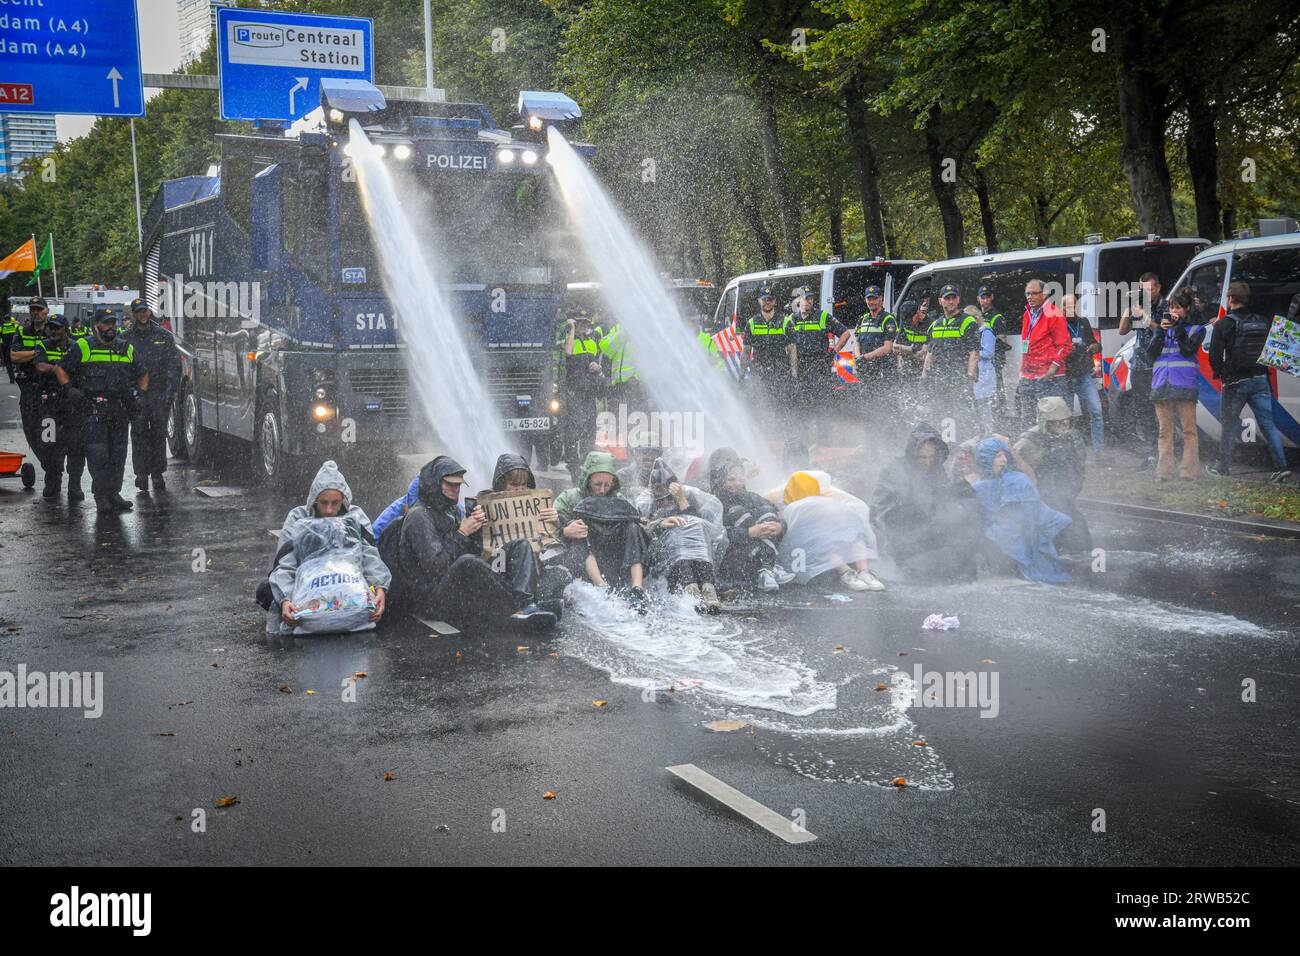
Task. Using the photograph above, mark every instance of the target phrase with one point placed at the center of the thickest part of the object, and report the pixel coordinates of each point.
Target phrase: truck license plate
(526, 424)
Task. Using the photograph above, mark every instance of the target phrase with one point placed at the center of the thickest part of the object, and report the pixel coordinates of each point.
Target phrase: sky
(160, 52)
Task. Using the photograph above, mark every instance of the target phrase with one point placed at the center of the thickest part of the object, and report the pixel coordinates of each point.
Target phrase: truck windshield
(492, 230)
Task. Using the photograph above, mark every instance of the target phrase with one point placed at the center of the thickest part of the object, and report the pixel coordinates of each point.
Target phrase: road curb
(1276, 529)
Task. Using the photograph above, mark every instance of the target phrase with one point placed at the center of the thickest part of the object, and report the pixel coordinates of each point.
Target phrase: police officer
(105, 378)
(8, 331)
(911, 345)
(876, 367)
(77, 328)
(60, 416)
(996, 322)
(769, 351)
(624, 379)
(811, 330)
(584, 382)
(155, 352)
(953, 362)
(22, 351)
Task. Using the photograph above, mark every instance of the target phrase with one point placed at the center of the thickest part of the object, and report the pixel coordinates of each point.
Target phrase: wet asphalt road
(1121, 692)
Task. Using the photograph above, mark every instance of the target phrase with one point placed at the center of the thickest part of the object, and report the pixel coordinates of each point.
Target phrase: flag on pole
(45, 262)
(731, 348)
(22, 259)
(844, 366)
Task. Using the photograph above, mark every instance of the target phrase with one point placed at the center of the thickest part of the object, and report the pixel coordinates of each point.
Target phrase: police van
(1103, 275)
(840, 287)
(1270, 265)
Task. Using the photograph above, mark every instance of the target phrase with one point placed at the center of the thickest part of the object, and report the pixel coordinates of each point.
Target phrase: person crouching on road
(685, 526)
(329, 497)
(753, 524)
(1053, 454)
(434, 551)
(602, 531)
(1175, 382)
(828, 530)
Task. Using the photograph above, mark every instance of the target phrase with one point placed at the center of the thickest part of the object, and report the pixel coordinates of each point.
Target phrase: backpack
(1248, 342)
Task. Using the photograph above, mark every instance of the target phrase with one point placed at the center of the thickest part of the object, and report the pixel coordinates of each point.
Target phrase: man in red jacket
(1044, 345)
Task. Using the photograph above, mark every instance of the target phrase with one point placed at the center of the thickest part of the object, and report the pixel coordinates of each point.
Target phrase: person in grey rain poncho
(688, 539)
(329, 497)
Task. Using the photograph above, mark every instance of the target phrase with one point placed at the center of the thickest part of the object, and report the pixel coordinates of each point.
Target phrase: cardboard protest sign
(513, 515)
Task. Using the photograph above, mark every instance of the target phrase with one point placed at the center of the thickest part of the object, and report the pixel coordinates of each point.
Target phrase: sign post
(71, 56)
(270, 64)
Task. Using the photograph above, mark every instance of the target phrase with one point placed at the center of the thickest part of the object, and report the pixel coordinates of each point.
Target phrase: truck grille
(506, 382)
(387, 385)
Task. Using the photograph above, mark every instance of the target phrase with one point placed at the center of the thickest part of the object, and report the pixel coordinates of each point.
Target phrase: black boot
(142, 484)
(52, 487)
(75, 493)
(532, 618)
(105, 506)
(121, 504)
(159, 483)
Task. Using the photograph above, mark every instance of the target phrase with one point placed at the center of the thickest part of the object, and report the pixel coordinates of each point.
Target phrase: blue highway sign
(70, 56)
(271, 63)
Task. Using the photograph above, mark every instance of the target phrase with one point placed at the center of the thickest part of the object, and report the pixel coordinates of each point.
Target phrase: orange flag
(22, 259)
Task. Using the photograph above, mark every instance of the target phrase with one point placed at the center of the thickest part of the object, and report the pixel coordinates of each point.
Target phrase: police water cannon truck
(266, 269)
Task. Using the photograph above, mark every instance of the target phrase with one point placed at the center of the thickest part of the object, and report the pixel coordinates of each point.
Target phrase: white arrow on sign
(115, 76)
(300, 85)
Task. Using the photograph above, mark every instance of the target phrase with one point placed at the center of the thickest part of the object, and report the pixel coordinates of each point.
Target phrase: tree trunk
(986, 210)
(1042, 228)
(891, 237)
(715, 251)
(786, 202)
(1143, 117)
(835, 211)
(945, 193)
(868, 171)
(749, 211)
(1229, 221)
(1203, 159)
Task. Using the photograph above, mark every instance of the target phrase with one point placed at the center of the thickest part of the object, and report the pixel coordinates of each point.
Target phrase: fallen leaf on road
(599, 703)
(167, 733)
(902, 653)
(882, 687)
(522, 647)
(225, 801)
(458, 657)
(216, 663)
(182, 703)
(388, 775)
(360, 674)
(553, 654)
(899, 782)
(86, 597)
(285, 689)
(726, 726)
(839, 649)
(919, 743)
(311, 693)
(987, 661)
(549, 795)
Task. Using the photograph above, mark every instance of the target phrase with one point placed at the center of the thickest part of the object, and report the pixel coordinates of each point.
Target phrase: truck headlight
(528, 156)
(401, 151)
(322, 412)
(505, 156)
(555, 405)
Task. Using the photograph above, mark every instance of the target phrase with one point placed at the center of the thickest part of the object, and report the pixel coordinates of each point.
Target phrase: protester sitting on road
(686, 534)
(1055, 456)
(1016, 520)
(512, 474)
(399, 507)
(753, 524)
(602, 530)
(827, 530)
(434, 552)
(328, 497)
(922, 525)
(635, 475)
(1175, 382)
(341, 549)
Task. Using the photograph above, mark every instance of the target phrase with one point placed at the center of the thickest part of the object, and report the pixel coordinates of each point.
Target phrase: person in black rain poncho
(753, 525)
(434, 552)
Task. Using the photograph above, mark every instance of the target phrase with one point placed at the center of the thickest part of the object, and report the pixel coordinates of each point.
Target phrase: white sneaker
(851, 581)
(768, 580)
(872, 582)
(782, 575)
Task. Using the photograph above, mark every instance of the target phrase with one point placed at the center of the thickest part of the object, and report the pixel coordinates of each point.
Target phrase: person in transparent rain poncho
(686, 533)
(827, 530)
(327, 583)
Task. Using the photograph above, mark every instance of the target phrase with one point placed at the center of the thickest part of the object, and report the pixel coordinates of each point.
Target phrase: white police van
(840, 286)
(1103, 275)
(1270, 265)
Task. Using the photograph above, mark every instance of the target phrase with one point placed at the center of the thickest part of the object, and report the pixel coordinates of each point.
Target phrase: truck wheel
(28, 473)
(193, 435)
(176, 432)
(270, 464)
